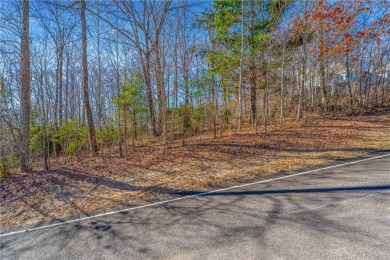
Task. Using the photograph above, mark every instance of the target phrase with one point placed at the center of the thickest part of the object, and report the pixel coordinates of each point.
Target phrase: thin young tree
(240, 91)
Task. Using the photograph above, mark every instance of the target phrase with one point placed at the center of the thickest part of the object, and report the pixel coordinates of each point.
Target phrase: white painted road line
(187, 197)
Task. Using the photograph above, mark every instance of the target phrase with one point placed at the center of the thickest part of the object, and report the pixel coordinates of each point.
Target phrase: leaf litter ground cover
(81, 188)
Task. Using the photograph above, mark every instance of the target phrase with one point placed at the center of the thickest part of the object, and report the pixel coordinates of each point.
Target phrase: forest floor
(92, 185)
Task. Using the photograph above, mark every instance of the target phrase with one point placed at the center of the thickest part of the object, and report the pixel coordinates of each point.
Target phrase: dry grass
(98, 184)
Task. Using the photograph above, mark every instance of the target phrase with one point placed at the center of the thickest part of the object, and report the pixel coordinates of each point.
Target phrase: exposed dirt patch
(98, 184)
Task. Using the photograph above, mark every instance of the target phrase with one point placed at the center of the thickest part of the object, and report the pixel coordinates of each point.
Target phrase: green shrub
(44, 138)
(73, 137)
(108, 134)
(7, 166)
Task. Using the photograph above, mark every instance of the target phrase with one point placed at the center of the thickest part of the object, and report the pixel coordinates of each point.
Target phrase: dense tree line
(102, 77)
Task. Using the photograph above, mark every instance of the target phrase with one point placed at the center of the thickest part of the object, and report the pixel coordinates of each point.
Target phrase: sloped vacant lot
(79, 188)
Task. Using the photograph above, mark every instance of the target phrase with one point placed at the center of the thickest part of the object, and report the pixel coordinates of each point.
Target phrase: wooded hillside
(101, 78)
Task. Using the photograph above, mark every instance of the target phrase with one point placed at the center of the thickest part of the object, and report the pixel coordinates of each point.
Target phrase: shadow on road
(198, 220)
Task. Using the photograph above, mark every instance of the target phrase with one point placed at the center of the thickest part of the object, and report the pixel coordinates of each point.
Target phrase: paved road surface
(338, 213)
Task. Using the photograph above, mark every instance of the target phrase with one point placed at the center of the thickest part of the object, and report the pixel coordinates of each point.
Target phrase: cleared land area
(79, 188)
(336, 212)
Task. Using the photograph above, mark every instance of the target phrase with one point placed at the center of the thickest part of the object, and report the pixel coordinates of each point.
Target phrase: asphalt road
(337, 213)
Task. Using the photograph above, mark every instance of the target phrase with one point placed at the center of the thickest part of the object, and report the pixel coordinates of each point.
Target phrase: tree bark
(25, 90)
(349, 81)
(252, 71)
(88, 110)
(282, 88)
(321, 61)
(303, 72)
(239, 121)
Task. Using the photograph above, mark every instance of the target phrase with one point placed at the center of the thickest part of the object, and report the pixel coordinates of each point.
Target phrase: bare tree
(240, 91)
(87, 105)
(25, 89)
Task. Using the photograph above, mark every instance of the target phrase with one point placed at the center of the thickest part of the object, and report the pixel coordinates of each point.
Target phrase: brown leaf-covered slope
(96, 184)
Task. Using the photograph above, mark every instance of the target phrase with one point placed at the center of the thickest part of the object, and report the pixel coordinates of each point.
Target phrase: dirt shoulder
(97, 184)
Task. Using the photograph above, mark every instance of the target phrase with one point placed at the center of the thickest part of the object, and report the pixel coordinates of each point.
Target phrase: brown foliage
(96, 184)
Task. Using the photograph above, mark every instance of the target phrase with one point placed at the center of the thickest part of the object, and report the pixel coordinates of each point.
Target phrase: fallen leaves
(95, 184)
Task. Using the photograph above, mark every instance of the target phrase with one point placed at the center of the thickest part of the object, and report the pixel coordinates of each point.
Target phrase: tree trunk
(25, 90)
(252, 71)
(321, 61)
(214, 102)
(349, 81)
(186, 116)
(149, 90)
(239, 121)
(60, 101)
(282, 88)
(266, 104)
(117, 79)
(88, 110)
(303, 73)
